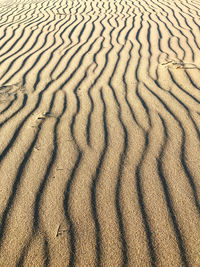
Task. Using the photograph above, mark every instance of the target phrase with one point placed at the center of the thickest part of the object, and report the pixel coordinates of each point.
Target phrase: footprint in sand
(7, 91)
(175, 64)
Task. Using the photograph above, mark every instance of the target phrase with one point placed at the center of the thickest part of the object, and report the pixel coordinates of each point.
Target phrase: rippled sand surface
(100, 133)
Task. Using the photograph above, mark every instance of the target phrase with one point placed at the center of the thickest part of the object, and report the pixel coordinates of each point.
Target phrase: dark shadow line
(144, 106)
(89, 116)
(94, 83)
(191, 32)
(121, 167)
(24, 61)
(40, 55)
(36, 211)
(131, 28)
(168, 197)
(7, 15)
(16, 112)
(72, 239)
(4, 34)
(159, 34)
(9, 105)
(10, 38)
(16, 184)
(62, 56)
(142, 205)
(126, 86)
(182, 156)
(16, 51)
(69, 37)
(186, 38)
(71, 58)
(95, 54)
(121, 30)
(192, 82)
(28, 37)
(14, 44)
(95, 183)
(17, 131)
(77, 107)
(10, 15)
(46, 252)
(51, 162)
(188, 112)
(51, 54)
(181, 88)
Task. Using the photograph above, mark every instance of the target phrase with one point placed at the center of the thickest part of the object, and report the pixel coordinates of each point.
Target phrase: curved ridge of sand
(100, 130)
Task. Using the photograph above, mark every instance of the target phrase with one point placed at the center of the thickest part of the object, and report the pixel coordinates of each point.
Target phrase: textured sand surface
(100, 133)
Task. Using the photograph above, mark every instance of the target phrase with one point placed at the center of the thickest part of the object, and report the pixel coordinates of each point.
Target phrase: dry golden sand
(99, 133)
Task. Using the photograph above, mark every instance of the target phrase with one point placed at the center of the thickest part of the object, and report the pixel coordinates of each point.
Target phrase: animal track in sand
(41, 116)
(175, 64)
(60, 231)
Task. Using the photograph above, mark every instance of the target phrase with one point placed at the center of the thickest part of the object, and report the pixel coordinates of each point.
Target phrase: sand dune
(99, 133)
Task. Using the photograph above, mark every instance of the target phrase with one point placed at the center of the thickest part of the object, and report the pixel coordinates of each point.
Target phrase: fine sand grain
(99, 133)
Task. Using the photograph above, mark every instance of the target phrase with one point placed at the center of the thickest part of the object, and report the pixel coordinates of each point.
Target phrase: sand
(99, 133)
